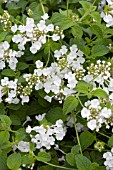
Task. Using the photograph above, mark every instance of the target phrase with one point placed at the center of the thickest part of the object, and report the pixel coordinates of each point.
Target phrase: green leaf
(5, 122)
(70, 158)
(96, 16)
(77, 31)
(85, 4)
(4, 137)
(83, 87)
(54, 114)
(86, 139)
(8, 72)
(27, 159)
(75, 149)
(12, 6)
(64, 22)
(2, 108)
(96, 30)
(69, 104)
(3, 158)
(110, 141)
(14, 106)
(99, 93)
(15, 119)
(99, 50)
(2, 36)
(14, 161)
(22, 65)
(43, 157)
(20, 134)
(82, 162)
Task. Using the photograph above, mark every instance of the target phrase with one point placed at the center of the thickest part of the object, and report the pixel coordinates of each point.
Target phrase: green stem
(78, 140)
(67, 7)
(48, 59)
(94, 2)
(80, 101)
(61, 167)
(42, 6)
(103, 134)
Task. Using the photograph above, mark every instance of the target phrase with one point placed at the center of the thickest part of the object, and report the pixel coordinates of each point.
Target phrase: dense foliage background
(56, 84)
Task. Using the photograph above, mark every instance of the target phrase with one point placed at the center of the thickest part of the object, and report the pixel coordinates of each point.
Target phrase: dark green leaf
(82, 162)
(86, 139)
(99, 50)
(8, 72)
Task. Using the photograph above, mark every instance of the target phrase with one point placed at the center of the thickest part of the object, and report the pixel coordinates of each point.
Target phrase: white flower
(48, 98)
(41, 25)
(23, 146)
(5, 45)
(50, 27)
(22, 28)
(85, 113)
(45, 16)
(105, 112)
(40, 117)
(2, 65)
(92, 124)
(28, 129)
(55, 37)
(95, 103)
(14, 28)
(25, 99)
(39, 64)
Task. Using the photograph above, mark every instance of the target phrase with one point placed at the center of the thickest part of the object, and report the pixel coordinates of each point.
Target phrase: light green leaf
(99, 93)
(83, 87)
(4, 137)
(5, 122)
(85, 5)
(64, 22)
(2, 36)
(14, 161)
(77, 31)
(69, 104)
(96, 16)
(43, 157)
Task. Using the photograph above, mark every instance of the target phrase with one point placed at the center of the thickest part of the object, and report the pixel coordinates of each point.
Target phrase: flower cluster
(107, 13)
(8, 56)
(44, 136)
(69, 68)
(99, 72)
(5, 19)
(8, 88)
(37, 34)
(109, 160)
(97, 114)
